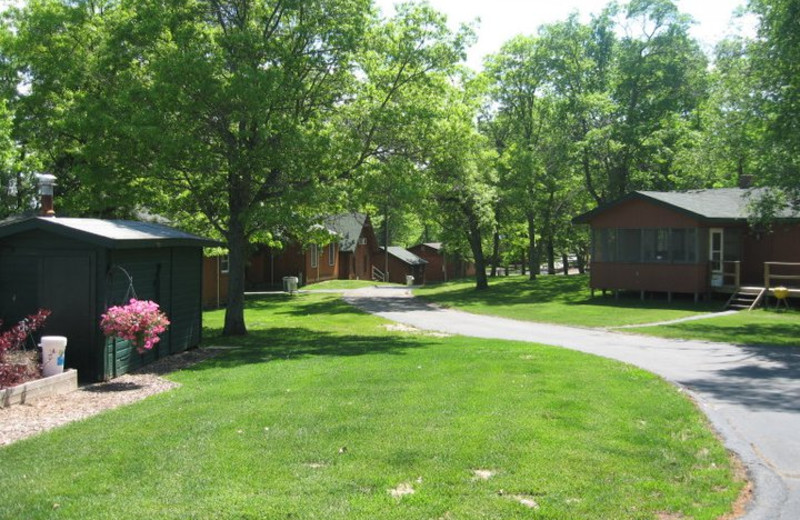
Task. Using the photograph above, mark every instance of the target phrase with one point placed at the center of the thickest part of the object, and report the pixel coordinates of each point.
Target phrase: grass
(321, 412)
(559, 299)
(567, 301)
(345, 284)
(756, 328)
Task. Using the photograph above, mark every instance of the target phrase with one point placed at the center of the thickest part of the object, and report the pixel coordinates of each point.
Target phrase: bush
(12, 342)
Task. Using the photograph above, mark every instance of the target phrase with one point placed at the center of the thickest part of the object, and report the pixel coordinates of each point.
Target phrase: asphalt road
(750, 394)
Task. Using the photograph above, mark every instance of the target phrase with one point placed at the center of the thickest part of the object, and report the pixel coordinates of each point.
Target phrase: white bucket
(53, 348)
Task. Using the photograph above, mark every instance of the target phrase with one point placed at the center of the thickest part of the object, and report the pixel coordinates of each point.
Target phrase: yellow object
(780, 293)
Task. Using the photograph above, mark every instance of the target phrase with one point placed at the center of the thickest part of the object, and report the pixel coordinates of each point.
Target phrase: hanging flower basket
(140, 322)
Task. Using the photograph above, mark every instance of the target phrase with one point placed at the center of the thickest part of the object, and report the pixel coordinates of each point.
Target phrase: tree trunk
(551, 256)
(565, 263)
(581, 261)
(476, 244)
(533, 258)
(237, 249)
(524, 265)
(495, 253)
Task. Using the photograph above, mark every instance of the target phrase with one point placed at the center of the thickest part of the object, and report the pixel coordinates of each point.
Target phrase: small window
(224, 264)
(314, 255)
(331, 254)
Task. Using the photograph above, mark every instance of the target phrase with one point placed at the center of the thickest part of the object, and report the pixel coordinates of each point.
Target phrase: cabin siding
(684, 278)
(640, 214)
(215, 283)
(781, 244)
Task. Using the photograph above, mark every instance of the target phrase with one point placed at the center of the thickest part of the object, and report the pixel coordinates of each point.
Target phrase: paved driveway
(751, 395)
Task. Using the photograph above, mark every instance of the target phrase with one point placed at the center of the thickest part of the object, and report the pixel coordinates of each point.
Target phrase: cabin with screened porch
(697, 242)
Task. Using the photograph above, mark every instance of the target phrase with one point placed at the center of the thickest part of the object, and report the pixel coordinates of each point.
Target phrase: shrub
(13, 340)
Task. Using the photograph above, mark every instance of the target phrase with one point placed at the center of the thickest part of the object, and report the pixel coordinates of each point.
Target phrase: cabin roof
(113, 234)
(711, 205)
(348, 226)
(406, 256)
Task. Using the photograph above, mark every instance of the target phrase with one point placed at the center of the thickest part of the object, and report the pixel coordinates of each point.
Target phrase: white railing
(377, 275)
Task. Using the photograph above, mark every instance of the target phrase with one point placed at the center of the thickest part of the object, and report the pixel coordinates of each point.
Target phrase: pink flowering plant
(140, 321)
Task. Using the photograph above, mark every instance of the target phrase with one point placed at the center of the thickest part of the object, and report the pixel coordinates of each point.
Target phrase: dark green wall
(79, 281)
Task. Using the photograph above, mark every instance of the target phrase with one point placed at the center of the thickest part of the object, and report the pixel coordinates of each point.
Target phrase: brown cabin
(215, 281)
(347, 256)
(442, 266)
(313, 263)
(357, 245)
(402, 264)
(695, 242)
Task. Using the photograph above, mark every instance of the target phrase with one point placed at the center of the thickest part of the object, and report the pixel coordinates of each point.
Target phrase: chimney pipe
(46, 183)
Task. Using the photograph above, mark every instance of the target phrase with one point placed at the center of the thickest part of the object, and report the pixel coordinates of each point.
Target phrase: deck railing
(770, 275)
(377, 275)
(732, 273)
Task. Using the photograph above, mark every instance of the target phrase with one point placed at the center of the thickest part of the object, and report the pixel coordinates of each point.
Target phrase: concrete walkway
(750, 394)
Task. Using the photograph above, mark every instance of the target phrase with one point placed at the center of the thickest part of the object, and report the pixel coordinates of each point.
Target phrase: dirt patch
(25, 420)
(525, 500)
(399, 327)
(402, 490)
(482, 474)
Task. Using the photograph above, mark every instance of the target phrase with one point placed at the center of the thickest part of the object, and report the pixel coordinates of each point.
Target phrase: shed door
(66, 286)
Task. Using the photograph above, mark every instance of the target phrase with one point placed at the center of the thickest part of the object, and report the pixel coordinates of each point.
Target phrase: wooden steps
(746, 298)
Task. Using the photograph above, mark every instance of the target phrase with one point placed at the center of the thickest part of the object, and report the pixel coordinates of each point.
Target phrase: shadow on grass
(261, 346)
(748, 335)
(296, 305)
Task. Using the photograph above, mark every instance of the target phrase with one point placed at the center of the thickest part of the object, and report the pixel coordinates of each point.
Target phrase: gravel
(25, 420)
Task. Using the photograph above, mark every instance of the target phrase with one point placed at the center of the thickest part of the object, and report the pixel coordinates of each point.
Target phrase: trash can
(409, 280)
(290, 284)
(53, 348)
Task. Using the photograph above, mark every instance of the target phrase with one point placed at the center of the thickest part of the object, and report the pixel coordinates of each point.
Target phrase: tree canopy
(251, 119)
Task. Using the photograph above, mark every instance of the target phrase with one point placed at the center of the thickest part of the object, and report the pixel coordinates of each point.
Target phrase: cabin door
(716, 255)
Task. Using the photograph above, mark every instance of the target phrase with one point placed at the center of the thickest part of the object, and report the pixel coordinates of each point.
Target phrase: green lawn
(756, 328)
(344, 284)
(567, 300)
(322, 412)
(558, 299)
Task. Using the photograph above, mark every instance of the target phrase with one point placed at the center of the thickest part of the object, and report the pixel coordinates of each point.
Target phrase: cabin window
(684, 245)
(224, 264)
(630, 245)
(605, 245)
(314, 255)
(650, 245)
(331, 254)
(655, 245)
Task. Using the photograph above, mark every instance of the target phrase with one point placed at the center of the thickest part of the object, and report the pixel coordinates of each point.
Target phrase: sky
(500, 20)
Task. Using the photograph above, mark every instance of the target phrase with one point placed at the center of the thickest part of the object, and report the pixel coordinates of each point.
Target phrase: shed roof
(406, 256)
(348, 226)
(712, 205)
(113, 234)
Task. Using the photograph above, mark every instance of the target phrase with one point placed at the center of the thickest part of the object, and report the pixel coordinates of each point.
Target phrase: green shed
(78, 267)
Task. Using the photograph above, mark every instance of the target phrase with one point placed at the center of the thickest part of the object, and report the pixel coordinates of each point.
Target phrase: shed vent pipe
(46, 183)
